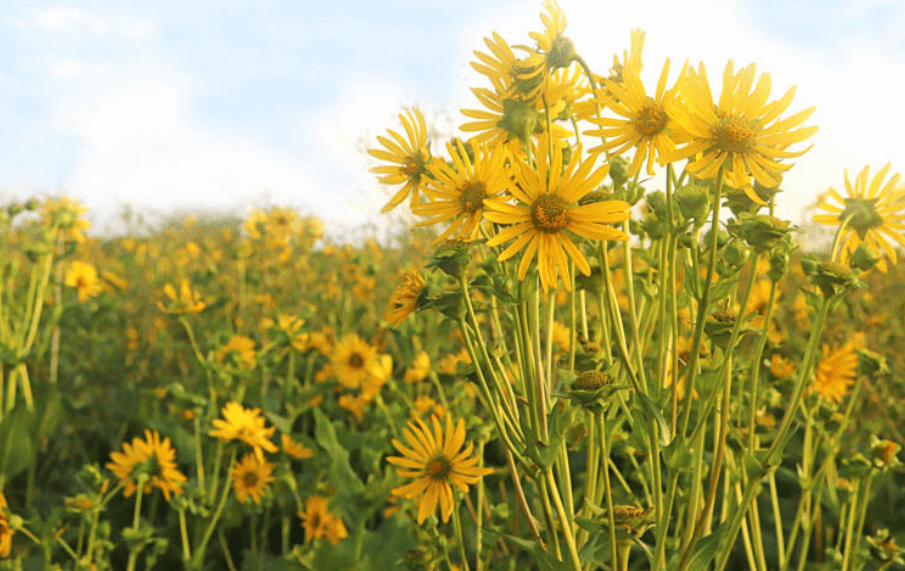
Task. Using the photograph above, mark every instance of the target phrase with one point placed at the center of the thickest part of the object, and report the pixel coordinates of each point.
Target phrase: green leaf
(340, 472)
(677, 456)
(705, 550)
(17, 449)
(651, 414)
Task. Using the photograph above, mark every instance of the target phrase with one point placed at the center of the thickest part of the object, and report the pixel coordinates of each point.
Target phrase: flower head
(457, 191)
(319, 523)
(185, 302)
(836, 371)
(152, 456)
(295, 449)
(404, 300)
(548, 198)
(246, 425)
(353, 360)
(238, 351)
(435, 459)
(742, 132)
(6, 532)
(408, 157)
(644, 122)
(83, 277)
(873, 213)
(251, 477)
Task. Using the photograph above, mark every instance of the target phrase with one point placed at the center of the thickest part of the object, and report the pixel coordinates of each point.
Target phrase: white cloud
(70, 20)
(69, 68)
(77, 23)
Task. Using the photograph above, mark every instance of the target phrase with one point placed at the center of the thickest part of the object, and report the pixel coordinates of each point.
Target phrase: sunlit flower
(873, 212)
(836, 371)
(741, 131)
(421, 366)
(251, 477)
(424, 405)
(509, 75)
(238, 351)
(435, 459)
(64, 213)
(186, 301)
(152, 456)
(644, 123)
(294, 449)
(6, 532)
(409, 158)
(246, 425)
(548, 198)
(780, 367)
(405, 299)
(83, 277)
(508, 120)
(319, 523)
(457, 192)
(353, 360)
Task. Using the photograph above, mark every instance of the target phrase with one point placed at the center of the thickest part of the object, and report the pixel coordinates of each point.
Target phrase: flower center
(413, 167)
(734, 135)
(650, 120)
(861, 214)
(472, 197)
(438, 468)
(250, 479)
(549, 214)
(356, 361)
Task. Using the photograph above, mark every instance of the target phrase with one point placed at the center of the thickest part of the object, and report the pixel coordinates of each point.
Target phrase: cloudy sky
(227, 105)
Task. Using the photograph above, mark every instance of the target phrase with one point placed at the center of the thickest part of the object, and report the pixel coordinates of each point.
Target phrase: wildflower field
(573, 360)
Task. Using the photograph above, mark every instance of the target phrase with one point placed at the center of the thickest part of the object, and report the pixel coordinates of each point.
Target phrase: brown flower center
(413, 167)
(250, 479)
(650, 120)
(549, 214)
(356, 361)
(734, 135)
(438, 468)
(472, 197)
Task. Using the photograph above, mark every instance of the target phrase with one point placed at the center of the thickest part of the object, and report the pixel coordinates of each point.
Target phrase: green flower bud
(736, 253)
(562, 53)
(452, 256)
(694, 203)
(832, 278)
(863, 258)
(619, 169)
(761, 231)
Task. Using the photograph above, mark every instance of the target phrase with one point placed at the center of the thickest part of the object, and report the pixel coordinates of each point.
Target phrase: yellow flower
(435, 460)
(187, 301)
(420, 368)
(294, 449)
(6, 532)
(548, 209)
(409, 157)
(646, 124)
(836, 371)
(152, 456)
(450, 363)
(780, 367)
(83, 277)
(873, 213)
(246, 425)
(553, 48)
(507, 121)
(239, 350)
(507, 73)
(319, 523)
(405, 299)
(742, 131)
(251, 477)
(426, 405)
(353, 360)
(64, 213)
(457, 192)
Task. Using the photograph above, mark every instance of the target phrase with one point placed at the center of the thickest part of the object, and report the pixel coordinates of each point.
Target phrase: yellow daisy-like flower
(409, 158)
(421, 366)
(507, 120)
(295, 449)
(156, 457)
(435, 460)
(872, 212)
(549, 207)
(405, 299)
(238, 351)
(553, 48)
(353, 360)
(645, 122)
(185, 302)
(780, 367)
(246, 425)
(742, 131)
(319, 523)
(507, 73)
(83, 277)
(6, 532)
(251, 477)
(457, 192)
(836, 371)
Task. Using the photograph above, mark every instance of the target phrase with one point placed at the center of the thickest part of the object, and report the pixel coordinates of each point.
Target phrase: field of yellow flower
(573, 361)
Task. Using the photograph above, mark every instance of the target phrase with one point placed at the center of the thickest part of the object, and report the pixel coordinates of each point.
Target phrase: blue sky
(228, 105)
